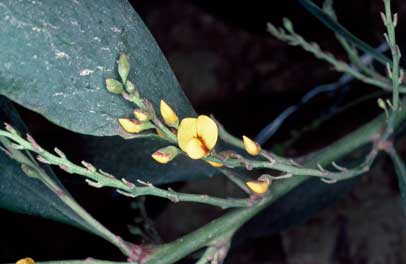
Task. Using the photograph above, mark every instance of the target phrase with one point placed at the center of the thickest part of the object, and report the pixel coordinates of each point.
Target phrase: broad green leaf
(337, 28)
(56, 55)
(400, 169)
(23, 194)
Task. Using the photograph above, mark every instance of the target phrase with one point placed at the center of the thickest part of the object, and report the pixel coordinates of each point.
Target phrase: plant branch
(292, 38)
(98, 178)
(394, 72)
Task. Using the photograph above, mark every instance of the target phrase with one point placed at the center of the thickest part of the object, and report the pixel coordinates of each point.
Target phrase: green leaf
(400, 169)
(342, 31)
(56, 56)
(23, 194)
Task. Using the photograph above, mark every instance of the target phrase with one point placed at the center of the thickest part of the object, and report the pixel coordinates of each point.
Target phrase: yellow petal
(207, 131)
(169, 116)
(130, 126)
(186, 131)
(251, 146)
(26, 261)
(195, 149)
(215, 164)
(259, 186)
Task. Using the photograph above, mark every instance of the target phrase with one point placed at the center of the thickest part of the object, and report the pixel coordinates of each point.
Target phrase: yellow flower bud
(259, 186)
(169, 116)
(26, 261)
(251, 146)
(215, 164)
(134, 126)
(165, 155)
(129, 125)
(142, 115)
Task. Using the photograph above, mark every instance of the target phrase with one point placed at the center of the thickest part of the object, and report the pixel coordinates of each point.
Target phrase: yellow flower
(169, 116)
(215, 164)
(197, 136)
(251, 146)
(259, 186)
(26, 261)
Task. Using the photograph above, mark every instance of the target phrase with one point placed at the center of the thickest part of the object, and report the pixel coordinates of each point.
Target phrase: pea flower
(197, 136)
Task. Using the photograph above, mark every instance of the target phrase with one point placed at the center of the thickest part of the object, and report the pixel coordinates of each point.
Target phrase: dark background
(229, 66)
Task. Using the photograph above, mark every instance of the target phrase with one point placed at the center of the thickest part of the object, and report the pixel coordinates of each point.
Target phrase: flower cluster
(194, 136)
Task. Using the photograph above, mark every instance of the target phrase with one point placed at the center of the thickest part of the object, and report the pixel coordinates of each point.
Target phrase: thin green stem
(294, 39)
(98, 178)
(394, 69)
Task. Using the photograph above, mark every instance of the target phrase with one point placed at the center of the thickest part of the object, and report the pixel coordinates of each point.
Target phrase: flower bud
(142, 115)
(131, 89)
(26, 261)
(165, 155)
(251, 146)
(114, 86)
(215, 164)
(259, 186)
(123, 67)
(134, 126)
(169, 116)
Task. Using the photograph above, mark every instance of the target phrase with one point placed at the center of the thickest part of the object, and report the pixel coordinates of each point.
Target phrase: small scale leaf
(114, 86)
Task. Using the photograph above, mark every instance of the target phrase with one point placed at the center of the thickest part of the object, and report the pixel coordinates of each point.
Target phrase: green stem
(296, 40)
(395, 68)
(102, 179)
